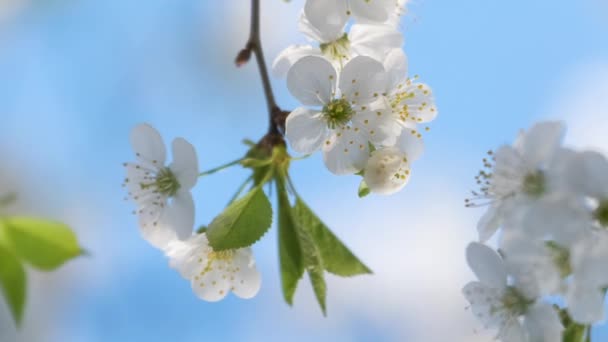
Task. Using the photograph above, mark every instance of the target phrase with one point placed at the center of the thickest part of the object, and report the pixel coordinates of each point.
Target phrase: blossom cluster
(359, 105)
(548, 207)
(165, 210)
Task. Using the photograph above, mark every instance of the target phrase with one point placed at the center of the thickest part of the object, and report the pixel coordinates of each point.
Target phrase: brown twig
(276, 116)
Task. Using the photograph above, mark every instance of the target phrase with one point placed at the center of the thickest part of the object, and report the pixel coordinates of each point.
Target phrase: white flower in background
(399, 10)
(498, 305)
(347, 119)
(337, 46)
(213, 274)
(388, 168)
(325, 14)
(586, 291)
(162, 193)
(537, 266)
(521, 175)
(412, 102)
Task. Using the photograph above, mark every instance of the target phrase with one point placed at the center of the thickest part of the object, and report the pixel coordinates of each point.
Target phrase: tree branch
(276, 117)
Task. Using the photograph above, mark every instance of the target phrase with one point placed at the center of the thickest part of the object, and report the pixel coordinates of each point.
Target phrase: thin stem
(239, 191)
(220, 168)
(255, 45)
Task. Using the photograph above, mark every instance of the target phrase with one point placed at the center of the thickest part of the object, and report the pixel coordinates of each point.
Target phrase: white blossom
(162, 193)
(520, 176)
(372, 40)
(350, 111)
(499, 305)
(328, 14)
(586, 291)
(213, 274)
(388, 169)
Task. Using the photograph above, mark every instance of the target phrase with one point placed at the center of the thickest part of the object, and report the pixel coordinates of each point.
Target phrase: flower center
(225, 255)
(561, 258)
(601, 213)
(534, 184)
(514, 302)
(165, 183)
(337, 113)
(336, 50)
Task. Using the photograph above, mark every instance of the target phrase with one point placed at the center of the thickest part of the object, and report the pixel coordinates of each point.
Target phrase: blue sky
(77, 75)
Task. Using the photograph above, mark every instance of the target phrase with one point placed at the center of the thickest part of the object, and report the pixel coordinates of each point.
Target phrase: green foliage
(337, 258)
(12, 282)
(43, 244)
(363, 189)
(575, 333)
(242, 223)
(290, 254)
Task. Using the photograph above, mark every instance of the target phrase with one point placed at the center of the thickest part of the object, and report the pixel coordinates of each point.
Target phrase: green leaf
(317, 279)
(290, 255)
(337, 258)
(574, 333)
(242, 223)
(12, 282)
(44, 244)
(363, 189)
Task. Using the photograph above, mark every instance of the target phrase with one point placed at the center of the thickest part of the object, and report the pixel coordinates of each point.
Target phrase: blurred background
(77, 75)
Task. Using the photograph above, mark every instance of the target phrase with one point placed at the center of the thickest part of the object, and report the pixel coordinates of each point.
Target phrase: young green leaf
(363, 189)
(337, 258)
(290, 254)
(44, 244)
(12, 282)
(574, 333)
(313, 262)
(242, 223)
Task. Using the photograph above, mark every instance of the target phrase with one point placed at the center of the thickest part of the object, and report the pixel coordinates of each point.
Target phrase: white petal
(179, 214)
(585, 304)
(212, 285)
(396, 67)
(410, 144)
(377, 123)
(306, 130)
(489, 223)
(286, 59)
(326, 15)
(158, 234)
(487, 265)
(387, 171)
(375, 10)
(563, 220)
(584, 173)
(329, 32)
(543, 323)
(512, 331)
(247, 280)
(185, 163)
(485, 301)
(542, 141)
(362, 80)
(346, 153)
(190, 255)
(312, 80)
(148, 145)
(375, 41)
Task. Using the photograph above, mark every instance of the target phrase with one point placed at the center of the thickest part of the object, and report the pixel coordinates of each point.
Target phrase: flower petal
(387, 171)
(541, 142)
(327, 16)
(376, 11)
(484, 300)
(512, 331)
(543, 323)
(487, 265)
(410, 144)
(148, 145)
(585, 304)
(346, 153)
(329, 32)
(362, 80)
(185, 163)
(306, 130)
(396, 66)
(247, 280)
(212, 285)
(375, 41)
(312, 80)
(489, 222)
(286, 59)
(179, 214)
